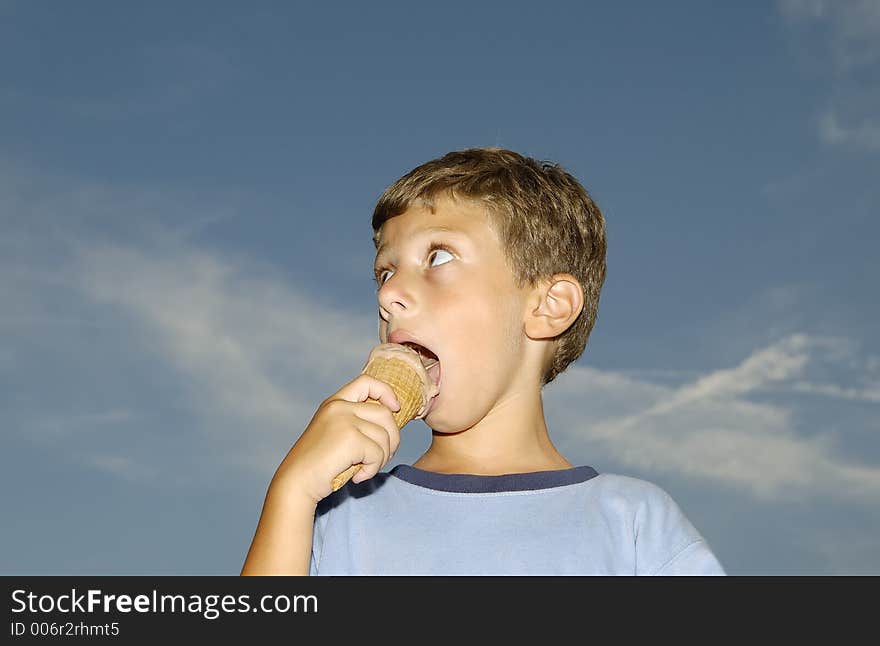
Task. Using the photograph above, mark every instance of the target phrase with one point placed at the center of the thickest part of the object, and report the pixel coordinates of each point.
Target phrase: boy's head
(545, 220)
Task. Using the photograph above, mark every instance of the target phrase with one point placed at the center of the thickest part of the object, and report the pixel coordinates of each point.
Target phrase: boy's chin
(440, 425)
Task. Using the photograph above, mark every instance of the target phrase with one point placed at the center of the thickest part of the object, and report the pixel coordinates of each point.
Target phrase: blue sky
(185, 255)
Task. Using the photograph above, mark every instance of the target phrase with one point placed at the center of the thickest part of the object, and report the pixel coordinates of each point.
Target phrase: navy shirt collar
(469, 483)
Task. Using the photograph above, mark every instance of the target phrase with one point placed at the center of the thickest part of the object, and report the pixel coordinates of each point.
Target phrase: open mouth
(429, 360)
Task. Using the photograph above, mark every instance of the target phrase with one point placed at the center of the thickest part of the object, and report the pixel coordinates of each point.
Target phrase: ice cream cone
(404, 381)
(410, 384)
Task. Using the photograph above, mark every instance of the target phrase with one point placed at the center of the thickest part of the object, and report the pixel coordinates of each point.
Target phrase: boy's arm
(282, 542)
(345, 430)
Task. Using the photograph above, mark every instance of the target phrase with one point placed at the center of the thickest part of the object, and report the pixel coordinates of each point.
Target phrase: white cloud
(103, 292)
(863, 134)
(258, 353)
(842, 38)
(709, 428)
(870, 394)
(853, 27)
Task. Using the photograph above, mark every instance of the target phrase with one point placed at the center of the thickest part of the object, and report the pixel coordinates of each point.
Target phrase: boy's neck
(512, 438)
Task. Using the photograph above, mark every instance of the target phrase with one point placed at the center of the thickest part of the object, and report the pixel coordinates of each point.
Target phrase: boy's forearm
(282, 543)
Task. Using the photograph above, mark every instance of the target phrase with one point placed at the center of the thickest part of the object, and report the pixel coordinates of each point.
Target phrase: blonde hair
(546, 221)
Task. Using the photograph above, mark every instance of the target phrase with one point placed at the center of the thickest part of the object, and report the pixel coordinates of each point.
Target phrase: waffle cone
(407, 386)
(405, 383)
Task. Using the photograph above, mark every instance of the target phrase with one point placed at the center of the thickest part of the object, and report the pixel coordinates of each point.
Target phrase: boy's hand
(345, 430)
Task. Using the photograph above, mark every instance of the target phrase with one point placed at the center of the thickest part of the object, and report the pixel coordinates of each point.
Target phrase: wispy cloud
(251, 344)
(852, 27)
(843, 38)
(871, 394)
(719, 429)
(862, 134)
(106, 301)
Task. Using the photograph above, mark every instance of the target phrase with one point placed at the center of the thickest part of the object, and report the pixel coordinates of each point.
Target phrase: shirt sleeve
(667, 543)
(696, 559)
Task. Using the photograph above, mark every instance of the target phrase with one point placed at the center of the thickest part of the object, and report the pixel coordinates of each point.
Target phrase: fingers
(376, 414)
(370, 421)
(367, 429)
(366, 387)
(376, 451)
(354, 426)
(365, 392)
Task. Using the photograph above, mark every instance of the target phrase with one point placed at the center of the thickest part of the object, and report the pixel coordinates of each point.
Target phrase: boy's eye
(439, 257)
(382, 276)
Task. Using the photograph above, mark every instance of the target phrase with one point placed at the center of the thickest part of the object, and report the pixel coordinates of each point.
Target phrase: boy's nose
(394, 296)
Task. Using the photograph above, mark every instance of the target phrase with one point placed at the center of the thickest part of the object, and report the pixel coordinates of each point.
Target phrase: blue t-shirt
(568, 522)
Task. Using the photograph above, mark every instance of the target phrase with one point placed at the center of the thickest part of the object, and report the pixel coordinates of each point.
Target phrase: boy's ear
(554, 304)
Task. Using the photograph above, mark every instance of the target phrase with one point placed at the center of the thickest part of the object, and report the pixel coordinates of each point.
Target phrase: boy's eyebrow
(423, 233)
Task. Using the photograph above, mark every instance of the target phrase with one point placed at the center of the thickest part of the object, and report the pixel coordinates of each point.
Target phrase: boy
(492, 262)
